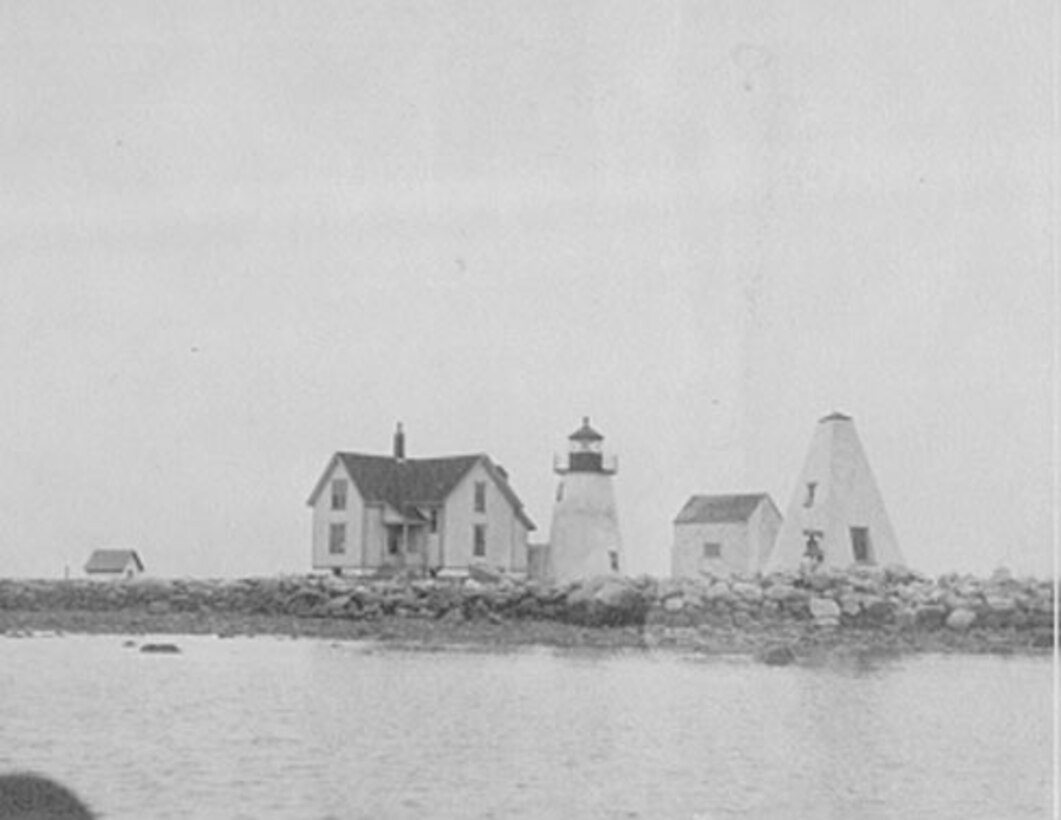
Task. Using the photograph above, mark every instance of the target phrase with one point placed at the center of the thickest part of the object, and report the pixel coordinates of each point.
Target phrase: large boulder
(824, 608)
(609, 601)
(961, 619)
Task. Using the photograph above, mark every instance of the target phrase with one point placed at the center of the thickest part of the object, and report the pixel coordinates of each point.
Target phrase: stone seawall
(882, 608)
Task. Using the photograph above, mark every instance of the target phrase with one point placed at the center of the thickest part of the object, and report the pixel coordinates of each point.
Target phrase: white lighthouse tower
(584, 536)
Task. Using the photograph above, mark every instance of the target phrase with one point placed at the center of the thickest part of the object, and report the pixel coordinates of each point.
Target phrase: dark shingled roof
(405, 484)
(585, 432)
(720, 509)
(112, 560)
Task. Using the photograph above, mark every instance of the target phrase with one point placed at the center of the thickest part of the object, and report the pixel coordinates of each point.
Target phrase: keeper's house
(721, 535)
(439, 516)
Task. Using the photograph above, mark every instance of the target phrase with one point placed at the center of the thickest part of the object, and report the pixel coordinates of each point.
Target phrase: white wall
(584, 528)
(737, 550)
(846, 496)
(506, 535)
(324, 516)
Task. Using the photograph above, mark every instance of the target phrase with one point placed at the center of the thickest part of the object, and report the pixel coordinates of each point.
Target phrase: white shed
(724, 534)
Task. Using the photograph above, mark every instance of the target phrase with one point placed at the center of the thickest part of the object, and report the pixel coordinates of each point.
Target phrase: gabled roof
(585, 432)
(112, 561)
(415, 482)
(721, 509)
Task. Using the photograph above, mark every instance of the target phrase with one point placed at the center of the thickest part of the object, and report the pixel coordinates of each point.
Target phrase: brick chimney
(399, 443)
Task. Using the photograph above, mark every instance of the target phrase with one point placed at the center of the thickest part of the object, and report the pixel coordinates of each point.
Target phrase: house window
(339, 494)
(860, 545)
(712, 550)
(480, 496)
(811, 487)
(337, 539)
(479, 541)
(433, 521)
(560, 491)
(394, 540)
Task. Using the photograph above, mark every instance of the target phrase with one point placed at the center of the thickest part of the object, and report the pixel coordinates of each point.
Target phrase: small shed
(724, 534)
(114, 565)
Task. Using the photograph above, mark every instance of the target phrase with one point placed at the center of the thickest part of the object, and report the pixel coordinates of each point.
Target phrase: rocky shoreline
(780, 618)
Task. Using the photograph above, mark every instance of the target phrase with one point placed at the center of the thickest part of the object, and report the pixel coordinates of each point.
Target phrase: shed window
(811, 487)
(433, 520)
(337, 539)
(339, 494)
(712, 550)
(394, 540)
(479, 541)
(480, 496)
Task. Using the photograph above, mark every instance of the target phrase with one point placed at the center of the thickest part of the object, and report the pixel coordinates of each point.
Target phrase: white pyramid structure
(584, 537)
(836, 517)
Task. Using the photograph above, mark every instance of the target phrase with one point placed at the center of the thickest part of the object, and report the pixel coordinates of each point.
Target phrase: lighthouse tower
(584, 536)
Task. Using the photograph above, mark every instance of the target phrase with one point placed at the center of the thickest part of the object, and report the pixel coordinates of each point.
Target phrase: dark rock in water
(779, 656)
(161, 648)
(129, 644)
(32, 797)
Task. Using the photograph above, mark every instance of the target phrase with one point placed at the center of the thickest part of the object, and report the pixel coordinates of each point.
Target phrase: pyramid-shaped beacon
(836, 516)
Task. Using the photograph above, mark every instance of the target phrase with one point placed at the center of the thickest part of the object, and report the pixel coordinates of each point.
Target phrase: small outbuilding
(116, 565)
(724, 534)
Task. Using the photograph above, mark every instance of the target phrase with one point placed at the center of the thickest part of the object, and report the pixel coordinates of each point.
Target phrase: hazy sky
(236, 237)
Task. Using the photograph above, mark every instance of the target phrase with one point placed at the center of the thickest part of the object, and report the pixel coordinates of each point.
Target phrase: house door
(860, 545)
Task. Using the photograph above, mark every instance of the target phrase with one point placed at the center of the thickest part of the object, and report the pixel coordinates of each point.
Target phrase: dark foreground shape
(779, 656)
(161, 648)
(32, 797)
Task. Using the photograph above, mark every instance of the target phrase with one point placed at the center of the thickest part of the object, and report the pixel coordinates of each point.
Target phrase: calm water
(265, 727)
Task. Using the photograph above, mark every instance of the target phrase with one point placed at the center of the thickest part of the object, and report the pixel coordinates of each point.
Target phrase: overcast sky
(236, 237)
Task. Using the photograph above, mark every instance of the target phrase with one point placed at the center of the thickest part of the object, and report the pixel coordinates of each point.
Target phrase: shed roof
(112, 560)
(720, 509)
(408, 483)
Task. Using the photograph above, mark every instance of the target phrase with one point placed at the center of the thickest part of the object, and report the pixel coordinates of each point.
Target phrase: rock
(961, 619)
(779, 656)
(998, 603)
(824, 608)
(851, 605)
(748, 591)
(1001, 575)
(160, 648)
(906, 617)
(930, 616)
(780, 592)
(159, 608)
(878, 610)
(674, 604)
(719, 593)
